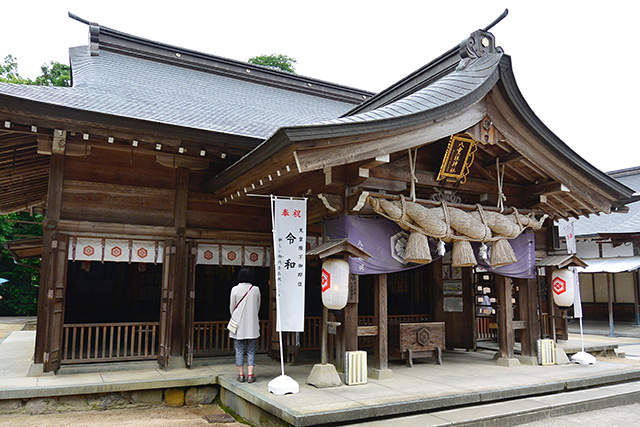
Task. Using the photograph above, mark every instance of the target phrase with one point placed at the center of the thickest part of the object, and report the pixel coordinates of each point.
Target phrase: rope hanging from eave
(500, 175)
(412, 167)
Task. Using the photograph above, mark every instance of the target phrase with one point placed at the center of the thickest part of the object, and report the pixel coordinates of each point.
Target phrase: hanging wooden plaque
(458, 158)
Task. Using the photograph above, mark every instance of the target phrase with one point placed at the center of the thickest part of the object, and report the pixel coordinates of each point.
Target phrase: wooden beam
(504, 160)
(179, 161)
(428, 179)
(344, 150)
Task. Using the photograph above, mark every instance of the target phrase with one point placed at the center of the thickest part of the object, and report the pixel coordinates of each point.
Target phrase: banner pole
(282, 384)
(277, 290)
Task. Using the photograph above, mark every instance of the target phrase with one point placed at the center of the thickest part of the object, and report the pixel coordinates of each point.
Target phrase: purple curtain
(386, 241)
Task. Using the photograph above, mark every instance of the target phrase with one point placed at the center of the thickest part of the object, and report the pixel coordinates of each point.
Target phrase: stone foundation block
(201, 395)
(36, 406)
(146, 397)
(11, 406)
(174, 397)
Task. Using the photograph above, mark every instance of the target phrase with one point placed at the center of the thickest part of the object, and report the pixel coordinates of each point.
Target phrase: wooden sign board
(458, 158)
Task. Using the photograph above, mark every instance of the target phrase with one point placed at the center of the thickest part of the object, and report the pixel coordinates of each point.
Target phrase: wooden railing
(102, 342)
(211, 338)
(486, 328)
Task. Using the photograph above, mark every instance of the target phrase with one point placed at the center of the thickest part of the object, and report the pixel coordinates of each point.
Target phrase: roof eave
(509, 88)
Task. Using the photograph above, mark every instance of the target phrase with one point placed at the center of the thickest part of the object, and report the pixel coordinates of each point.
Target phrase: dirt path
(158, 416)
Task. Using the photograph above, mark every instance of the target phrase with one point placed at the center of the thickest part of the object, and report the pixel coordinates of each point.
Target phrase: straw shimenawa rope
(451, 224)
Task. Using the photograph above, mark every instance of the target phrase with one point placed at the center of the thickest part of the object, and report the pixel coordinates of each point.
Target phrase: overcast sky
(575, 62)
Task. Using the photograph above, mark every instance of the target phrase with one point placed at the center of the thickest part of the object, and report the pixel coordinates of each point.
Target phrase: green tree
(9, 71)
(276, 61)
(53, 74)
(19, 294)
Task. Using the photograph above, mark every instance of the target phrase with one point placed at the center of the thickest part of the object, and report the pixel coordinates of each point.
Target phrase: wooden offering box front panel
(422, 339)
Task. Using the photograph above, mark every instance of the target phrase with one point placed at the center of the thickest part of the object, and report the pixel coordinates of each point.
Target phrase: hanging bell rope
(500, 175)
(412, 167)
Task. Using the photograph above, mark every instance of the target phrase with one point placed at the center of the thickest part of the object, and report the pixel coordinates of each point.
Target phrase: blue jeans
(250, 346)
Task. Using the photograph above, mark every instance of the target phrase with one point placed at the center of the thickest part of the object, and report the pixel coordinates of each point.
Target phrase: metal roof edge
(424, 75)
(178, 56)
(514, 96)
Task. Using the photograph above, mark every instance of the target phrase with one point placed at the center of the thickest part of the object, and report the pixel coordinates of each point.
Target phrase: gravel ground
(130, 417)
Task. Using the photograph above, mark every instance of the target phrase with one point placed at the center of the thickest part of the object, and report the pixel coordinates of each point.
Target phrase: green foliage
(53, 74)
(9, 71)
(19, 296)
(276, 61)
(20, 293)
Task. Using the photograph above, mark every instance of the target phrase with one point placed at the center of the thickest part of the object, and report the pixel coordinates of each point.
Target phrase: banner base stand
(282, 385)
(583, 358)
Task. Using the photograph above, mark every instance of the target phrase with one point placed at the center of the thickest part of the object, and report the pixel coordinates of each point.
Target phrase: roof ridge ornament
(480, 43)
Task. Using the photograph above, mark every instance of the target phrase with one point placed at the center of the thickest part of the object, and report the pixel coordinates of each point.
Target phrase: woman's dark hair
(245, 275)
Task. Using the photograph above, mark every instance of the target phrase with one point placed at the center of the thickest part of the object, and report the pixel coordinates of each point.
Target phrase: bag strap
(246, 293)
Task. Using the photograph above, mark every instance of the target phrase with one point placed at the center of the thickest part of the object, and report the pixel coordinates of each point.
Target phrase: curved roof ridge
(447, 90)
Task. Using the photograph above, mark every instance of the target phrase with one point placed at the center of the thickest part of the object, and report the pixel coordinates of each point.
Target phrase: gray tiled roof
(134, 87)
(615, 222)
(448, 90)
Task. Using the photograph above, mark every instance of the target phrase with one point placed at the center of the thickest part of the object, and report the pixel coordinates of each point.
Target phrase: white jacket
(247, 312)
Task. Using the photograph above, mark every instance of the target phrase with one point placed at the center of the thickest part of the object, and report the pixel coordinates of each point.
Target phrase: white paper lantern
(563, 284)
(335, 283)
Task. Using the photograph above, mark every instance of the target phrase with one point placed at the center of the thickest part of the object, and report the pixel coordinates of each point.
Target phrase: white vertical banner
(570, 237)
(289, 241)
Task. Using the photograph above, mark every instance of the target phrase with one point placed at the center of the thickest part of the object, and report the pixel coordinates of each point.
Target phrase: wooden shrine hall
(147, 194)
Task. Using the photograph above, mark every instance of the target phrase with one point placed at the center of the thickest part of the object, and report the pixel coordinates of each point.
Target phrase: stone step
(520, 411)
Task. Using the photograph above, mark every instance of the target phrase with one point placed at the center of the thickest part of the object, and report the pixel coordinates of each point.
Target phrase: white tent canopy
(611, 265)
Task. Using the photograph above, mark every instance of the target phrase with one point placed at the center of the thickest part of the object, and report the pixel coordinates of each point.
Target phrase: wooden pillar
(529, 314)
(350, 325)
(551, 304)
(54, 203)
(178, 320)
(610, 303)
(505, 322)
(381, 342)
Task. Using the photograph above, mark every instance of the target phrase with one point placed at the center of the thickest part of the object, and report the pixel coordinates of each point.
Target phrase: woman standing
(244, 306)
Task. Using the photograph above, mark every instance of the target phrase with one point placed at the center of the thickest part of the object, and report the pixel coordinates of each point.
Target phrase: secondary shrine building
(145, 170)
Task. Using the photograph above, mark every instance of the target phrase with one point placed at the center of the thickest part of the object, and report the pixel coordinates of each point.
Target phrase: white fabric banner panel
(231, 255)
(289, 218)
(85, 249)
(146, 251)
(116, 250)
(577, 299)
(256, 256)
(208, 254)
(568, 233)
